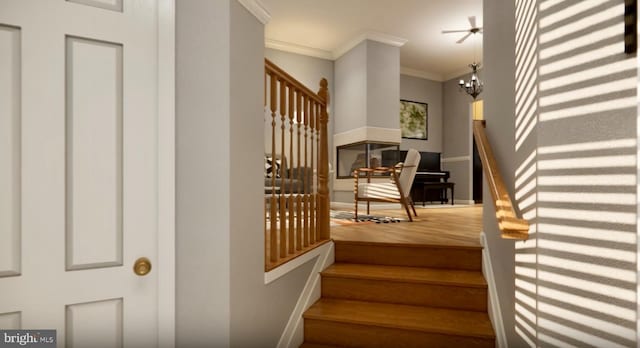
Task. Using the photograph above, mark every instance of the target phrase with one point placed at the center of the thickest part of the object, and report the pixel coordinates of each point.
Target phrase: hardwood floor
(458, 226)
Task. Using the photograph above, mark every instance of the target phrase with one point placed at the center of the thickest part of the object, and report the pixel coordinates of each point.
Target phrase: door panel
(10, 253)
(115, 5)
(93, 153)
(78, 169)
(10, 321)
(99, 321)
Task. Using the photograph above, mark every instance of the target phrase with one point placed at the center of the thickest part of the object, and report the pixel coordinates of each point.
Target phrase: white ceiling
(324, 28)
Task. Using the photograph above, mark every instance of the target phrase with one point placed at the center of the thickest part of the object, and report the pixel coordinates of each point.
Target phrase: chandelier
(473, 87)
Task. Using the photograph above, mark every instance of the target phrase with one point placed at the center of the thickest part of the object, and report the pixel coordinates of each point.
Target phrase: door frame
(166, 259)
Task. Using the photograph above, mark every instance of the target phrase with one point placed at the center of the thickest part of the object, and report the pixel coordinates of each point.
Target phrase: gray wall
(221, 298)
(383, 85)
(430, 92)
(499, 111)
(525, 142)
(350, 101)
(456, 135)
(457, 106)
(202, 150)
(576, 275)
(367, 85)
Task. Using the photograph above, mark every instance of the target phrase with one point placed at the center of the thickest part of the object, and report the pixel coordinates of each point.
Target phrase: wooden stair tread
(409, 245)
(406, 274)
(416, 318)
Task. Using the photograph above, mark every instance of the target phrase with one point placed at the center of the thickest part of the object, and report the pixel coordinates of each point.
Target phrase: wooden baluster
(309, 178)
(297, 221)
(305, 236)
(291, 111)
(283, 207)
(264, 201)
(298, 199)
(273, 232)
(323, 164)
(319, 106)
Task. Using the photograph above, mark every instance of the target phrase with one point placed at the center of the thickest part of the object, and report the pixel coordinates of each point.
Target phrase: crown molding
(256, 8)
(458, 73)
(337, 53)
(385, 38)
(370, 35)
(421, 74)
(298, 49)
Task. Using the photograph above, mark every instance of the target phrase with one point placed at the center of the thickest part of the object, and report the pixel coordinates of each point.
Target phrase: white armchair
(396, 190)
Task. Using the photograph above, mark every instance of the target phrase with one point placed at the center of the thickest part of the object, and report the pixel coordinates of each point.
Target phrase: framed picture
(413, 120)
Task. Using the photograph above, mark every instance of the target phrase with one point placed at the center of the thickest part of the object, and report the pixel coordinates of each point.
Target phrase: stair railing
(510, 225)
(296, 191)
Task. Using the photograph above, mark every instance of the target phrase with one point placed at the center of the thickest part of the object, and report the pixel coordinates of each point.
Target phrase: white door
(78, 169)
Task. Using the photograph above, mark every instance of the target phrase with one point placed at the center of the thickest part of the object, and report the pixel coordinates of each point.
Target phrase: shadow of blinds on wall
(585, 245)
(526, 120)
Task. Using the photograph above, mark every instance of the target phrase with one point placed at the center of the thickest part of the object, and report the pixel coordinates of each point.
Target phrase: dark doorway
(477, 175)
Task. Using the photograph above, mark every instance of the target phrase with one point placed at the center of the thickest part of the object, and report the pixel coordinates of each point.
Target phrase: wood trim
(372, 36)
(429, 75)
(166, 175)
(323, 163)
(298, 49)
(455, 159)
(511, 226)
(257, 9)
(272, 69)
(368, 134)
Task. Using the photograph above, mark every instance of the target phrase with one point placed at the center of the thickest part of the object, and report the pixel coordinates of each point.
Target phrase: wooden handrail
(272, 69)
(296, 192)
(511, 226)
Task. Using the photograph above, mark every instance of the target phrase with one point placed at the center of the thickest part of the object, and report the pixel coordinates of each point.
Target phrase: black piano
(429, 170)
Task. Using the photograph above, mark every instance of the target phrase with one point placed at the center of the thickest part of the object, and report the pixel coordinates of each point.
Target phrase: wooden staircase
(401, 295)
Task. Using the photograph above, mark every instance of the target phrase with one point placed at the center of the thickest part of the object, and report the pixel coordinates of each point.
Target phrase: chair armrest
(400, 166)
(373, 170)
(364, 170)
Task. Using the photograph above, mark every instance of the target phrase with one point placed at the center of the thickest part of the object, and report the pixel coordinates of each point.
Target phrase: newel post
(323, 165)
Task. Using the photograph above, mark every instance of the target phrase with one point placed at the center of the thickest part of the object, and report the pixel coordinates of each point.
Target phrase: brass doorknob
(142, 266)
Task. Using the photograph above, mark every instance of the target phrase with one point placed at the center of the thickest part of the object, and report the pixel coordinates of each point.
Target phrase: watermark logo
(27, 338)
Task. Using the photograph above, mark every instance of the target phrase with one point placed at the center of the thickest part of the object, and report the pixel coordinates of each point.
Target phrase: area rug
(341, 217)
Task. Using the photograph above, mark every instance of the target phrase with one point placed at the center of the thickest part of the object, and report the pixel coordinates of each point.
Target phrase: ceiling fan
(473, 30)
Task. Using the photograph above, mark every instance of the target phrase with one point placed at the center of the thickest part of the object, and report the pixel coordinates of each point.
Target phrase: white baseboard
(495, 314)
(455, 159)
(293, 334)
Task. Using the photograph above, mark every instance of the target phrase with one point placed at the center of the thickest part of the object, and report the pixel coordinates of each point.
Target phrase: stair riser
(313, 345)
(467, 298)
(433, 257)
(352, 335)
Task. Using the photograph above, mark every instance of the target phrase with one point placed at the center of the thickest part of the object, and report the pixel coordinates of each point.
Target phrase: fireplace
(365, 154)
